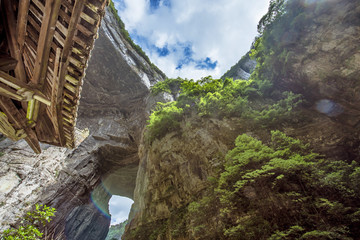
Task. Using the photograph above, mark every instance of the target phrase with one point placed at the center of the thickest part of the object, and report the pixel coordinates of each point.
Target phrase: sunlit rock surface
(23, 175)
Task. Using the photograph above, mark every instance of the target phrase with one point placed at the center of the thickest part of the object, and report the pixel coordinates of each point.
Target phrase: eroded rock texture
(79, 183)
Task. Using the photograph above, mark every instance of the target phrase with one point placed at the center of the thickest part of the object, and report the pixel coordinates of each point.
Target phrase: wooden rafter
(46, 36)
(64, 62)
(11, 35)
(22, 22)
(45, 40)
(54, 97)
(49, 43)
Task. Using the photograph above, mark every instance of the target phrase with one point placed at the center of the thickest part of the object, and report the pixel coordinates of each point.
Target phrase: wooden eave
(44, 49)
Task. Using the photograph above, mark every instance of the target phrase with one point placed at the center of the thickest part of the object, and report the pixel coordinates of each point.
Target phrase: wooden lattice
(44, 51)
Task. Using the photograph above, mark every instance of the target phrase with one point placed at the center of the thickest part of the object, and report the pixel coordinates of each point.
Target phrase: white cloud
(119, 208)
(222, 30)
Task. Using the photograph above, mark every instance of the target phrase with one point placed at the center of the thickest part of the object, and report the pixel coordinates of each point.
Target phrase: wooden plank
(11, 35)
(45, 40)
(17, 117)
(22, 22)
(11, 81)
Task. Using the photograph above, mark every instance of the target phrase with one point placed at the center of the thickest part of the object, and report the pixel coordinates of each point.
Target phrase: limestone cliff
(321, 62)
(78, 183)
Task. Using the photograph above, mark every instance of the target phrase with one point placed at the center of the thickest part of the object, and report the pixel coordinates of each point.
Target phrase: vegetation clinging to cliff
(277, 191)
(281, 191)
(30, 225)
(218, 98)
(116, 231)
(280, 30)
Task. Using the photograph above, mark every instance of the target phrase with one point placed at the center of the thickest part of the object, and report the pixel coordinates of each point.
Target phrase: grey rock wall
(114, 106)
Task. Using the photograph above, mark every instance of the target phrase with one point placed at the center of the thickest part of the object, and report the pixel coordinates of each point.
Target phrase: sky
(119, 208)
(192, 38)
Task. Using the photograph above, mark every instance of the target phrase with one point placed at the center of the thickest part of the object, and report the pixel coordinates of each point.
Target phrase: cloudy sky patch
(193, 38)
(119, 208)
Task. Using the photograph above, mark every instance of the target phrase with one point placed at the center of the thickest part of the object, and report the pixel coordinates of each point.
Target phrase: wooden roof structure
(44, 49)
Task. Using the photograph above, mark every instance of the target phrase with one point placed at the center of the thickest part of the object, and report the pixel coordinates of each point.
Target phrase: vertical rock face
(175, 169)
(325, 69)
(79, 183)
(323, 59)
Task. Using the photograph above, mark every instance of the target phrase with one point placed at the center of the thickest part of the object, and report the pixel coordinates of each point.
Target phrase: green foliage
(279, 111)
(219, 98)
(126, 35)
(285, 191)
(116, 231)
(29, 226)
(169, 85)
(281, 190)
(275, 11)
(165, 118)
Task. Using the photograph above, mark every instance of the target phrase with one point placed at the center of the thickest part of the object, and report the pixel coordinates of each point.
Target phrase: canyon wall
(322, 63)
(113, 109)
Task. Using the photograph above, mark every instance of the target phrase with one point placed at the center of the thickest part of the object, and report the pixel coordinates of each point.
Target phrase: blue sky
(119, 208)
(192, 38)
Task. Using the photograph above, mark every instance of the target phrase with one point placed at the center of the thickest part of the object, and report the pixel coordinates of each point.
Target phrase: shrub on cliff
(219, 98)
(279, 191)
(29, 226)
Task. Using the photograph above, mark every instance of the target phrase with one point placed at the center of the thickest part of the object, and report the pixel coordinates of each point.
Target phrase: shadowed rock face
(114, 108)
(79, 183)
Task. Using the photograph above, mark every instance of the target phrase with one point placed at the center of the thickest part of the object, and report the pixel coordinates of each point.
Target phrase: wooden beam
(23, 89)
(9, 92)
(47, 31)
(45, 40)
(7, 63)
(11, 35)
(22, 22)
(64, 62)
(54, 96)
(18, 119)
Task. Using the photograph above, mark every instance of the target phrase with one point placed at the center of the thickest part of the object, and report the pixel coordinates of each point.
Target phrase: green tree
(29, 226)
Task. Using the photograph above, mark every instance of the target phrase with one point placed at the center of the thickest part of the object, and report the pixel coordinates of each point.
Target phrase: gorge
(311, 49)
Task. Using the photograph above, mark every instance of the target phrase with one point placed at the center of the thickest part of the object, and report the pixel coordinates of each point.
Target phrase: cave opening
(119, 209)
